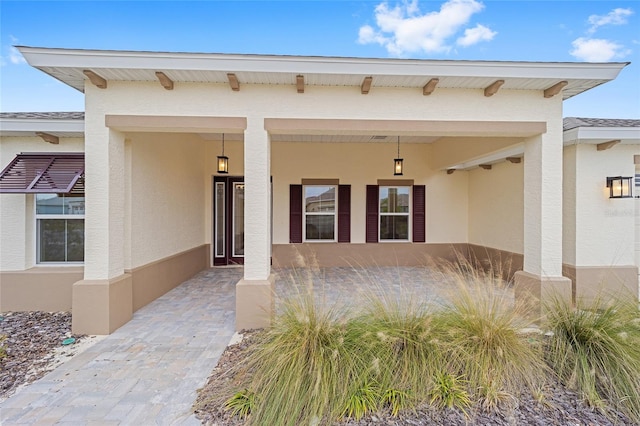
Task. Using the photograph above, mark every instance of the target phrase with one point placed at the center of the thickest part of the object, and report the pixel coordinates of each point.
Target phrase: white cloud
(476, 35)
(403, 29)
(597, 50)
(14, 56)
(617, 16)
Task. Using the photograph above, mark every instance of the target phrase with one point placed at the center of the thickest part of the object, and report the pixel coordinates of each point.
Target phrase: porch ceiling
(69, 66)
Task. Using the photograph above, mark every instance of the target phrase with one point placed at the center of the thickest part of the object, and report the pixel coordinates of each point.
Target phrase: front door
(228, 220)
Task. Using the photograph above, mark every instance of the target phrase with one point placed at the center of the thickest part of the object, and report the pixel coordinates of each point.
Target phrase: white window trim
(305, 213)
(408, 214)
(43, 216)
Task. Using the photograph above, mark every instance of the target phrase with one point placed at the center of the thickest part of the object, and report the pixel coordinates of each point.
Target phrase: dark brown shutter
(344, 213)
(372, 214)
(295, 213)
(419, 221)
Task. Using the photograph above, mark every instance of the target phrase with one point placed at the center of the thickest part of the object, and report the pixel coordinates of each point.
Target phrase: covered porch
(481, 144)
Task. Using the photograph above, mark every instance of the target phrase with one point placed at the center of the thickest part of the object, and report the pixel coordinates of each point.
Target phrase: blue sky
(455, 29)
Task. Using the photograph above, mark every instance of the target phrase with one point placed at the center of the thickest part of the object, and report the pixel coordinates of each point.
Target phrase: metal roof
(67, 65)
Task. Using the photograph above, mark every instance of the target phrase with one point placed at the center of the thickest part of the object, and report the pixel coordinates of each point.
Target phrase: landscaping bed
(475, 360)
(32, 345)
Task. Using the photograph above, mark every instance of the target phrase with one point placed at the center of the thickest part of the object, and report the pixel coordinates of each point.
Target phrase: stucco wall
(569, 204)
(604, 233)
(167, 195)
(17, 211)
(496, 207)
(361, 164)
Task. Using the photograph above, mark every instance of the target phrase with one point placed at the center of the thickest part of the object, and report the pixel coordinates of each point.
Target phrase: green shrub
(362, 401)
(480, 332)
(397, 400)
(241, 403)
(595, 349)
(449, 392)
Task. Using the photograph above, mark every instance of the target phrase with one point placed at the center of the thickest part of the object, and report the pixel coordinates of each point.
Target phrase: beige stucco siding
(17, 211)
(496, 207)
(362, 164)
(604, 228)
(167, 195)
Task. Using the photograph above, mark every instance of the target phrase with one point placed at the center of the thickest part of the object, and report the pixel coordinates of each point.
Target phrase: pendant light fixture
(223, 161)
(397, 162)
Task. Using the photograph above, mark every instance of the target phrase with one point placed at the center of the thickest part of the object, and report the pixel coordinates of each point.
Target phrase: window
(320, 212)
(394, 213)
(60, 228)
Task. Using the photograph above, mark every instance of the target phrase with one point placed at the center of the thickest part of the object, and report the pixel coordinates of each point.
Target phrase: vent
(378, 138)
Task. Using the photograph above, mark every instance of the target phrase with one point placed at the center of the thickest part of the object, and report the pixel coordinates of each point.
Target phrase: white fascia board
(95, 59)
(29, 126)
(601, 134)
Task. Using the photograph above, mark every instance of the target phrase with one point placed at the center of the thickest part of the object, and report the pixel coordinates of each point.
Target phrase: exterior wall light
(223, 161)
(397, 162)
(620, 186)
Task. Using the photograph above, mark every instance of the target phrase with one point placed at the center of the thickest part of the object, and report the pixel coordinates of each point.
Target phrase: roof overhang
(29, 126)
(597, 135)
(69, 66)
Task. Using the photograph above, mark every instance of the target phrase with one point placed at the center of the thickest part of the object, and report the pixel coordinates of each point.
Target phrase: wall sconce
(620, 186)
(223, 161)
(397, 162)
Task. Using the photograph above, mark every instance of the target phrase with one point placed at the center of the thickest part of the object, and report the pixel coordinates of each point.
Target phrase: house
(192, 160)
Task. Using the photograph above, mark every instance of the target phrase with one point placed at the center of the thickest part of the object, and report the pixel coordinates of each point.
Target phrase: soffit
(67, 65)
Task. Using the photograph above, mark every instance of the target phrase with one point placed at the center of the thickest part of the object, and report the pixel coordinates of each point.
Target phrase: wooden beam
(450, 171)
(514, 160)
(366, 85)
(48, 138)
(430, 86)
(550, 92)
(166, 82)
(493, 88)
(300, 83)
(233, 82)
(95, 79)
(485, 166)
(607, 145)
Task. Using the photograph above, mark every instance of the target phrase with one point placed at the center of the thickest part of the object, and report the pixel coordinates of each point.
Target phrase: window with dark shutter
(295, 213)
(372, 214)
(344, 213)
(419, 220)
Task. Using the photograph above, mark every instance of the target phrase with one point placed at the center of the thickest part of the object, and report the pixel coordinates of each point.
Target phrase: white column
(543, 204)
(257, 192)
(104, 201)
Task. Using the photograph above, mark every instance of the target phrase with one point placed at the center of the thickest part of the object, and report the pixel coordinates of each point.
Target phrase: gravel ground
(33, 346)
(561, 406)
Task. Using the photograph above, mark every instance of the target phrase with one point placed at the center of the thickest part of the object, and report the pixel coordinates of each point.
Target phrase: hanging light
(223, 161)
(397, 162)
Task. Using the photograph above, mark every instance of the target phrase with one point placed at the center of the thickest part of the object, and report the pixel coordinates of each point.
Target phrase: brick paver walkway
(146, 372)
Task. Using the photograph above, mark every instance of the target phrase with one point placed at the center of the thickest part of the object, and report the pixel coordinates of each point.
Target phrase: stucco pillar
(102, 302)
(542, 276)
(254, 293)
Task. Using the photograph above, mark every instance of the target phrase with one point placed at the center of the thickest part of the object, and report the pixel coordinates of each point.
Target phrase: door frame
(227, 258)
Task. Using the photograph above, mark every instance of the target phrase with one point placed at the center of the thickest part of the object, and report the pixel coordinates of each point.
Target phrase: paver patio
(148, 371)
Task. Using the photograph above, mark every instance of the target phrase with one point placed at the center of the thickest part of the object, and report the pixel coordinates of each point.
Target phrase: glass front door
(228, 218)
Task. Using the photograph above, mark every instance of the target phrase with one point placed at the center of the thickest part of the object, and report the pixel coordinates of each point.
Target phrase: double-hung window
(394, 213)
(320, 208)
(60, 228)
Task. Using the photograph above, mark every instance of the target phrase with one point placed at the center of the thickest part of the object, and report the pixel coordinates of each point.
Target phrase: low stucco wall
(157, 278)
(38, 289)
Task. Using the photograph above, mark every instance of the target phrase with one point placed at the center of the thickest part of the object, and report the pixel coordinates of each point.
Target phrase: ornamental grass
(594, 348)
